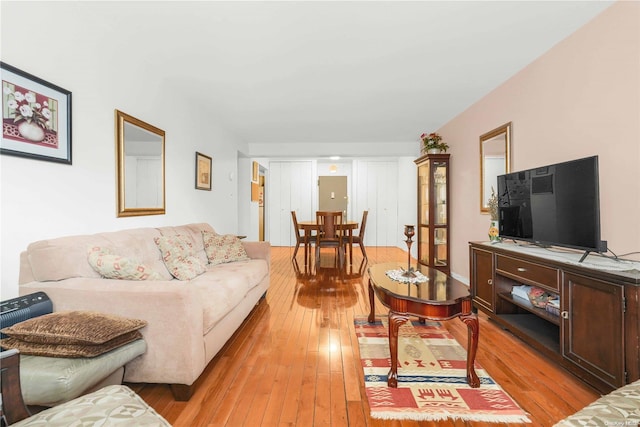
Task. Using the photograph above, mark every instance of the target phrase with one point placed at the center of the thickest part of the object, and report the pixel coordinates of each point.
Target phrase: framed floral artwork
(36, 117)
(203, 172)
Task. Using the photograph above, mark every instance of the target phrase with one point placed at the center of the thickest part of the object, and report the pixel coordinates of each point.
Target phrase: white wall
(407, 200)
(247, 210)
(344, 149)
(40, 199)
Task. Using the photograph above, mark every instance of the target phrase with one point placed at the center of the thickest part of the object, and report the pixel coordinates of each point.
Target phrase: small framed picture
(36, 117)
(254, 175)
(203, 172)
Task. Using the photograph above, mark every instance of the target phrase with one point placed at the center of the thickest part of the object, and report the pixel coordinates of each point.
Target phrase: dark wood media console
(595, 335)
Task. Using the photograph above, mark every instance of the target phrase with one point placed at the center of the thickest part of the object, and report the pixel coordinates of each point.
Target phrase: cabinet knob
(490, 282)
(565, 314)
(521, 269)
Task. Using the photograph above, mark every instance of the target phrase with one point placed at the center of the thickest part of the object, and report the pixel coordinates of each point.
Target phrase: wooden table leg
(395, 320)
(473, 328)
(372, 306)
(307, 246)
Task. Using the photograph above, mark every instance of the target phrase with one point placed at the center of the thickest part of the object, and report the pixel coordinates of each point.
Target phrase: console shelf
(525, 304)
(597, 334)
(542, 332)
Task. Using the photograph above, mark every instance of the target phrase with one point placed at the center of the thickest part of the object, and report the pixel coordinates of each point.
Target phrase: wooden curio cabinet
(433, 211)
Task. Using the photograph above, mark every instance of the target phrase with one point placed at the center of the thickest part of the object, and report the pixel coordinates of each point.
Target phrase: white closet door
(302, 186)
(387, 203)
(359, 198)
(278, 189)
(290, 188)
(376, 190)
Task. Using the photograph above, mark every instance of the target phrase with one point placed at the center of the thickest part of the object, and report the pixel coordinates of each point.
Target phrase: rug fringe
(414, 416)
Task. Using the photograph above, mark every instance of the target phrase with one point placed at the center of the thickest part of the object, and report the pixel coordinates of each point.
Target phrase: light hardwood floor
(295, 360)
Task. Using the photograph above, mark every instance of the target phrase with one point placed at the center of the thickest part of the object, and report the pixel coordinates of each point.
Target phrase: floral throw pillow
(179, 257)
(223, 248)
(112, 266)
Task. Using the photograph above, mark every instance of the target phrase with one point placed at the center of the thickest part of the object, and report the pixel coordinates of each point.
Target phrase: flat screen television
(554, 205)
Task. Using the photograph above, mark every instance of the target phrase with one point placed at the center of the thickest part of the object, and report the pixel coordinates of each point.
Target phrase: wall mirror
(495, 149)
(140, 167)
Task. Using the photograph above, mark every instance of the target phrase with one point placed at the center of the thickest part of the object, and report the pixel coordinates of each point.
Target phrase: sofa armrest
(258, 250)
(169, 307)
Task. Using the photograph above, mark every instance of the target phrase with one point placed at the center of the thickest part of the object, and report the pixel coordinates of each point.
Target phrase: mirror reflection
(494, 161)
(140, 148)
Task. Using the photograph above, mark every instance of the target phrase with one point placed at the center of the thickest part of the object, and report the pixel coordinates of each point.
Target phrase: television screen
(554, 205)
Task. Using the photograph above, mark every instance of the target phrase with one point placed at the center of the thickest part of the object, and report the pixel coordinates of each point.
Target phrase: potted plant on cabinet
(432, 143)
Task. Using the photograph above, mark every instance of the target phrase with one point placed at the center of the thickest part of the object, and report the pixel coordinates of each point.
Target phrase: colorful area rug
(432, 373)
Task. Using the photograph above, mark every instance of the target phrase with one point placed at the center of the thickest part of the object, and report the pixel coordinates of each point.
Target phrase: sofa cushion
(221, 249)
(73, 327)
(179, 257)
(112, 266)
(252, 271)
(69, 350)
(224, 286)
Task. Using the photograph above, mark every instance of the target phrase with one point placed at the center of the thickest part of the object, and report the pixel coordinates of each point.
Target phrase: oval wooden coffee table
(440, 298)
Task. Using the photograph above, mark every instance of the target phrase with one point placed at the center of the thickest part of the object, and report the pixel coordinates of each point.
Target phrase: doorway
(261, 216)
(332, 194)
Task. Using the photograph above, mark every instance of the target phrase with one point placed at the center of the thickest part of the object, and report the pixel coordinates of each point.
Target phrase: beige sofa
(188, 321)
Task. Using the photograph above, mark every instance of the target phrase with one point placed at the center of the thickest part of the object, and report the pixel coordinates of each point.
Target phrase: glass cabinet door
(440, 257)
(424, 178)
(440, 192)
(423, 190)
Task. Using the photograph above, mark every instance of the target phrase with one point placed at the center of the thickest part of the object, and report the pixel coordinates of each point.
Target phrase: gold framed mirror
(139, 167)
(495, 148)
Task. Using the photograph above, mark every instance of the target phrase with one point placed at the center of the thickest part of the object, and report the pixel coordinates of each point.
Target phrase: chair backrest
(363, 224)
(296, 230)
(329, 226)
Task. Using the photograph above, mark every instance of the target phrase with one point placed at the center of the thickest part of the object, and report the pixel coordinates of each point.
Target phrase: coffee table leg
(395, 320)
(473, 328)
(372, 307)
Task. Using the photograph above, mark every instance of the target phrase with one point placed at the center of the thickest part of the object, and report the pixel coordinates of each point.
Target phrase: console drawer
(528, 272)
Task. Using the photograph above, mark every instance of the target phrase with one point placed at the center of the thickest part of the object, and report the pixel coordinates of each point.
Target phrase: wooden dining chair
(330, 234)
(300, 238)
(359, 239)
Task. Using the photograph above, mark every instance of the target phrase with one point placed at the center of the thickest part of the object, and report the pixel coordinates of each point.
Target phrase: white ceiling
(333, 71)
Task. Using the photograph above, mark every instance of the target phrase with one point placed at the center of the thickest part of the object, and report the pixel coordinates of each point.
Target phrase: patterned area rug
(432, 373)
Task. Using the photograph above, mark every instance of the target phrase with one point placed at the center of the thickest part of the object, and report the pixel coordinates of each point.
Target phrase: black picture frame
(36, 117)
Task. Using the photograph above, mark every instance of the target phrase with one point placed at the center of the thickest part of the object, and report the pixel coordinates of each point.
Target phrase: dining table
(309, 227)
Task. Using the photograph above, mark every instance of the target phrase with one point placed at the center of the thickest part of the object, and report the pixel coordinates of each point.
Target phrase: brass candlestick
(409, 231)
